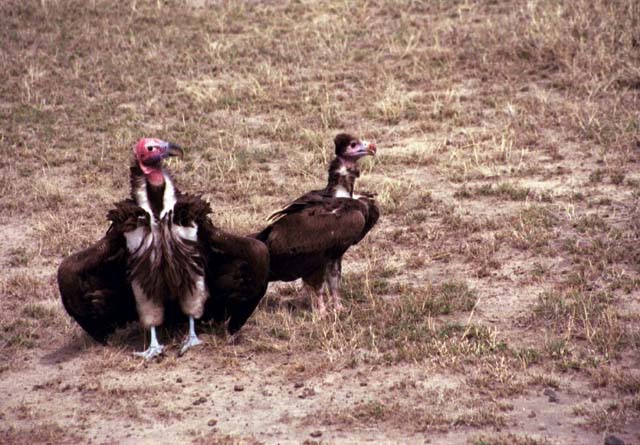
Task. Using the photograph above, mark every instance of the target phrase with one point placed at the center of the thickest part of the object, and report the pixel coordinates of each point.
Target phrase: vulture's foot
(317, 306)
(151, 352)
(336, 301)
(155, 349)
(188, 343)
(192, 339)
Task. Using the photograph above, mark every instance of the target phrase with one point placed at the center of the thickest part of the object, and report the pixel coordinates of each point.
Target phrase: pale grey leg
(317, 299)
(333, 275)
(154, 349)
(192, 339)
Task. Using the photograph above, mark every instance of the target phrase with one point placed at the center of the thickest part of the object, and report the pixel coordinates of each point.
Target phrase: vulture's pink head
(150, 152)
(352, 148)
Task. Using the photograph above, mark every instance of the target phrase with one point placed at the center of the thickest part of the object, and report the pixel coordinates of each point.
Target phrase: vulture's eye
(352, 144)
(150, 147)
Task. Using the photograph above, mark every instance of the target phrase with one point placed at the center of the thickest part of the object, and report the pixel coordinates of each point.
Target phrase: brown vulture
(161, 260)
(308, 237)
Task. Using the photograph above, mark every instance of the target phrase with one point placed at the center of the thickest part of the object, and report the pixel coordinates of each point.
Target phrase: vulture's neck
(342, 177)
(154, 191)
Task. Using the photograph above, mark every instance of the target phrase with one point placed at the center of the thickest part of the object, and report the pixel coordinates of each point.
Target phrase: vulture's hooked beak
(174, 150)
(371, 148)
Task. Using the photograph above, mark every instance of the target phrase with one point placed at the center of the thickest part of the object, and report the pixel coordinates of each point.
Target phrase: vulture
(308, 237)
(162, 260)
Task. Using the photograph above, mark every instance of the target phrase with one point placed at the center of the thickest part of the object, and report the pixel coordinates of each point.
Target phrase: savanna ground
(496, 302)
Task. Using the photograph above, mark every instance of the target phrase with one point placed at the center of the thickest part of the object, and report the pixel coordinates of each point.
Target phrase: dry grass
(507, 176)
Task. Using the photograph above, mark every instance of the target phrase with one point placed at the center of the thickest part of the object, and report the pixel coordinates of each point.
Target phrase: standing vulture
(308, 238)
(162, 259)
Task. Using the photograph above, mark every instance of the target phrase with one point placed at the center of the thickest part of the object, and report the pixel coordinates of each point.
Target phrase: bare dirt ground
(497, 300)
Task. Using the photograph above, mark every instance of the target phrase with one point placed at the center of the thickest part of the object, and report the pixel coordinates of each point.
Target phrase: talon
(191, 340)
(188, 343)
(151, 352)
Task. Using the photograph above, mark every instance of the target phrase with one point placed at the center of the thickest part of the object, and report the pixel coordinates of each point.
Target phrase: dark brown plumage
(94, 287)
(308, 237)
(161, 260)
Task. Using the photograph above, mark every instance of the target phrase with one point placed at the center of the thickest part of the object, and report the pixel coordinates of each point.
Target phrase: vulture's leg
(334, 273)
(154, 349)
(313, 289)
(316, 296)
(192, 339)
(193, 306)
(151, 314)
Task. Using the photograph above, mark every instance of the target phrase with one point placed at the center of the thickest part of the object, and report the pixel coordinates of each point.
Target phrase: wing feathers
(94, 288)
(237, 272)
(316, 226)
